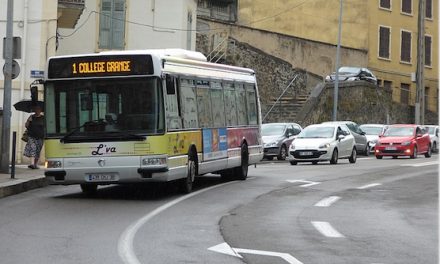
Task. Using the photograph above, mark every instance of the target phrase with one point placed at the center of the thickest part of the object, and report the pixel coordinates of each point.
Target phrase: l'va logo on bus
(102, 149)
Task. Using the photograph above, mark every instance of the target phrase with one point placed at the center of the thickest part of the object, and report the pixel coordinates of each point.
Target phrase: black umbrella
(28, 105)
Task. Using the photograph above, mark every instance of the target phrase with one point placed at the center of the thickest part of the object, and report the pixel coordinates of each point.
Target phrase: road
(374, 211)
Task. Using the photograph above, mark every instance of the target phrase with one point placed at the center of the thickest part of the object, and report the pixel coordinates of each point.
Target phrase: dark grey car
(277, 138)
(362, 145)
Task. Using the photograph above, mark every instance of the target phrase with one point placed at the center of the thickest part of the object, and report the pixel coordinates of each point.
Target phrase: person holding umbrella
(35, 127)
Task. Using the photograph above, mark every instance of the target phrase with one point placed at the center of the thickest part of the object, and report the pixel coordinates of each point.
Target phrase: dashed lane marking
(368, 186)
(326, 202)
(326, 229)
(429, 163)
(306, 183)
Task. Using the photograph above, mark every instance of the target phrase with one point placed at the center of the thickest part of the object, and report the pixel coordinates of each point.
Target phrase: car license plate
(101, 177)
(306, 153)
(390, 148)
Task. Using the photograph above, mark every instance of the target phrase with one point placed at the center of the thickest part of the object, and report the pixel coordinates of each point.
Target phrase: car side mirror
(340, 137)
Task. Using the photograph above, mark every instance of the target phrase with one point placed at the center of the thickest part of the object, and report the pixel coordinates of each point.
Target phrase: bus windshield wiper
(76, 129)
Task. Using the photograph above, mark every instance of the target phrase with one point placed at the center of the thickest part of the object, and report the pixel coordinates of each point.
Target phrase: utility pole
(338, 48)
(6, 123)
(420, 85)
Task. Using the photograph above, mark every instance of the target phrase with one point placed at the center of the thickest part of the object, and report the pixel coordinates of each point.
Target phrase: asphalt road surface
(374, 211)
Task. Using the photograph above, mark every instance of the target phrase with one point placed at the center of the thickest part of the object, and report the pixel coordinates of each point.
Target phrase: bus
(123, 117)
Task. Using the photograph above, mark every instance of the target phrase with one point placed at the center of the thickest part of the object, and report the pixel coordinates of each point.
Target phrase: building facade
(125, 24)
(377, 34)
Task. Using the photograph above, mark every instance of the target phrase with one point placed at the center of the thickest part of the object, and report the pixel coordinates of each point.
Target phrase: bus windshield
(104, 108)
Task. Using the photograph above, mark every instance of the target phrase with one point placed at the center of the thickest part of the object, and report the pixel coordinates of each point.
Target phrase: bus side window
(172, 106)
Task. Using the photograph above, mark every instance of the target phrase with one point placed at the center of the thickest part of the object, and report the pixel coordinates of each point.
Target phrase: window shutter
(118, 38)
(384, 42)
(428, 43)
(407, 6)
(405, 53)
(105, 24)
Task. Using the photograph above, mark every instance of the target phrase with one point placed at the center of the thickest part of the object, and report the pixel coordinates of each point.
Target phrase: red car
(403, 140)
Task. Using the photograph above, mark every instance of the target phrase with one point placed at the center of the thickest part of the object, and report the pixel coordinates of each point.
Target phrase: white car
(372, 132)
(323, 142)
(433, 135)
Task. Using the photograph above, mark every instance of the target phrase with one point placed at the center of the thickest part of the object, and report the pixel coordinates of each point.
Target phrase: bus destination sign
(100, 66)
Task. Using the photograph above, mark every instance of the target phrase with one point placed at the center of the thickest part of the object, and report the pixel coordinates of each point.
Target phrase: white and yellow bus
(148, 116)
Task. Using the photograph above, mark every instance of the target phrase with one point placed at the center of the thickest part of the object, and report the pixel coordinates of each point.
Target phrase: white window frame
(384, 8)
(410, 48)
(405, 13)
(378, 43)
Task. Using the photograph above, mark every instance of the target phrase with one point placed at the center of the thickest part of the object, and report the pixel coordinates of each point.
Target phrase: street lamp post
(338, 48)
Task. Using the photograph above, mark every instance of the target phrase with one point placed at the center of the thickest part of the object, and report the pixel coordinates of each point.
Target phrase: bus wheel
(89, 189)
(186, 184)
(242, 171)
(227, 175)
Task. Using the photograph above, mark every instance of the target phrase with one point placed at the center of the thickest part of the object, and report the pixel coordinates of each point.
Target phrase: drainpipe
(22, 79)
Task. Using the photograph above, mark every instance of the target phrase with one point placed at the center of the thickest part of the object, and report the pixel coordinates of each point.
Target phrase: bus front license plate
(101, 177)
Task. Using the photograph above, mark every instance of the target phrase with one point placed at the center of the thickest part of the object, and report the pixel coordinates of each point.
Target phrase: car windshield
(272, 129)
(371, 130)
(431, 130)
(317, 132)
(348, 70)
(399, 132)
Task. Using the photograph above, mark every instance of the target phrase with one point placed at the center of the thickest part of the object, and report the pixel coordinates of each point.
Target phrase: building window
(405, 47)
(386, 4)
(387, 85)
(404, 93)
(384, 42)
(407, 6)
(428, 50)
(428, 13)
(112, 24)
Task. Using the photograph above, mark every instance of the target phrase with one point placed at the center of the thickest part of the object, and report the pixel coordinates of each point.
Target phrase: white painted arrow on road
(306, 183)
(224, 248)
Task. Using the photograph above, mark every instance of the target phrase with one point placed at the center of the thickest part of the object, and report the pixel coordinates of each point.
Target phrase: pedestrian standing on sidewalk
(35, 127)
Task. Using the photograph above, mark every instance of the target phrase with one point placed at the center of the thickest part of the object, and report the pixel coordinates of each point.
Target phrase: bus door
(171, 103)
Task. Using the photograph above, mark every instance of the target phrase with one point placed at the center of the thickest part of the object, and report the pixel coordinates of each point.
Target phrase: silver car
(277, 138)
(433, 135)
(372, 132)
(358, 134)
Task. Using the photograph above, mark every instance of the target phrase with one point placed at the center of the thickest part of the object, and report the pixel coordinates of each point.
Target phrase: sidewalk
(25, 180)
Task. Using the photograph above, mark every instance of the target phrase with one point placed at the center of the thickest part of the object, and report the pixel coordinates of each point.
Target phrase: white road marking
(326, 229)
(326, 202)
(226, 249)
(307, 183)
(368, 186)
(125, 243)
(421, 164)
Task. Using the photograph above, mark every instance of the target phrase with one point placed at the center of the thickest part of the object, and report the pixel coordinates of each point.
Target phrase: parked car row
(347, 74)
(331, 141)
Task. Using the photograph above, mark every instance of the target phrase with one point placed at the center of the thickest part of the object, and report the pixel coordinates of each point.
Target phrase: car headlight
(372, 143)
(406, 143)
(272, 144)
(352, 79)
(53, 164)
(326, 145)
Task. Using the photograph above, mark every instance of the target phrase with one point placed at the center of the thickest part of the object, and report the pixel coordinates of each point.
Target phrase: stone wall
(360, 102)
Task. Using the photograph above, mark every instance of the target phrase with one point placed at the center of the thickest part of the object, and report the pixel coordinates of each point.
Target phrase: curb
(20, 185)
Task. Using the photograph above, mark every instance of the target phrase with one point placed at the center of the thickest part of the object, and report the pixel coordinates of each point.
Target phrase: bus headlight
(154, 161)
(53, 164)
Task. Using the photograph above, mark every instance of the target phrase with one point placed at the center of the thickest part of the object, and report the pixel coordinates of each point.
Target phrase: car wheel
(292, 162)
(334, 159)
(434, 147)
(379, 157)
(353, 156)
(367, 150)
(414, 155)
(428, 154)
(394, 157)
(314, 162)
(283, 153)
